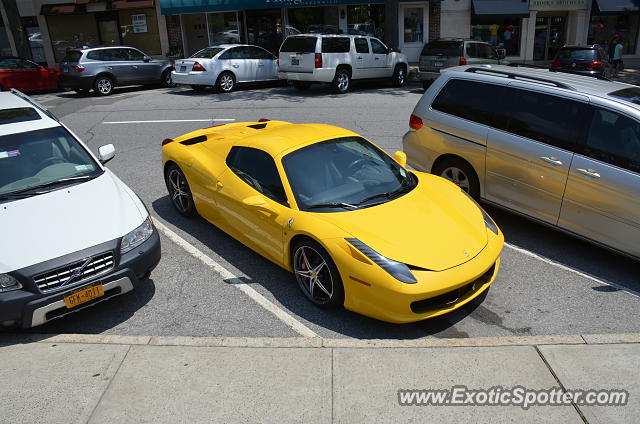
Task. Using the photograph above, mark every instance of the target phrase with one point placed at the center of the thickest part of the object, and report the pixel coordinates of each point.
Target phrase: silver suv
(103, 68)
(445, 53)
(562, 149)
(337, 59)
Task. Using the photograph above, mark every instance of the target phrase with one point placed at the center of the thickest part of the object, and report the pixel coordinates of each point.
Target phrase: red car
(25, 75)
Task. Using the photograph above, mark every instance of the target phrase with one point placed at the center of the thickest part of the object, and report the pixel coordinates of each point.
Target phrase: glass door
(413, 30)
(550, 35)
(264, 28)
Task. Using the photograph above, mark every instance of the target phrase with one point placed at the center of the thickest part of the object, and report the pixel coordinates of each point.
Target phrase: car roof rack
(564, 71)
(514, 76)
(34, 103)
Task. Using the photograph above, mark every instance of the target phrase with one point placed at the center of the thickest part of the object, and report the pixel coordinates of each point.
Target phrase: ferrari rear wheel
(179, 191)
(317, 275)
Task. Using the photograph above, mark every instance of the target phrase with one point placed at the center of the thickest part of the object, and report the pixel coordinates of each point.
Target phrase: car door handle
(359, 57)
(377, 58)
(219, 186)
(552, 160)
(135, 66)
(589, 172)
(261, 65)
(109, 67)
(235, 66)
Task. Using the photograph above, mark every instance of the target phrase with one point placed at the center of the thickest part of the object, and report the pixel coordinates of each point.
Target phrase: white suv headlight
(8, 283)
(136, 237)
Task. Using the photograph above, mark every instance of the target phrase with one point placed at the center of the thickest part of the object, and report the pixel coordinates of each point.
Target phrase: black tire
(341, 81)
(426, 84)
(176, 181)
(198, 87)
(399, 76)
(81, 91)
(103, 85)
(165, 79)
(460, 173)
(302, 85)
(226, 82)
(315, 288)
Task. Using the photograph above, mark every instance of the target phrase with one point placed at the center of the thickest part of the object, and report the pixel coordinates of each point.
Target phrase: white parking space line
(575, 271)
(168, 120)
(280, 313)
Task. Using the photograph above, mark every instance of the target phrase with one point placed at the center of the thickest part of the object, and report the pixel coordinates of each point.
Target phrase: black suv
(590, 60)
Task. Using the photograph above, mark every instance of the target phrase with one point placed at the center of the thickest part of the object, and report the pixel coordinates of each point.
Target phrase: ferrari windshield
(34, 160)
(344, 173)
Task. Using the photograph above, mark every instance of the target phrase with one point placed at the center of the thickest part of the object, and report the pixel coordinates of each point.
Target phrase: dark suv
(586, 60)
(103, 68)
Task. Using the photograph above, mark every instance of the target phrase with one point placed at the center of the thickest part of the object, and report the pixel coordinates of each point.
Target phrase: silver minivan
(561, 149)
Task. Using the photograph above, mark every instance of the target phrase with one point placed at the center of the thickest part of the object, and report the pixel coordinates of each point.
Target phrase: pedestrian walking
(617, 63)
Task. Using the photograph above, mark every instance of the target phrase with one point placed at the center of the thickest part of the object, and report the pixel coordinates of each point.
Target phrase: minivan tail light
(554, 64)
(415, 122)
(595, 65)
(78, 68)
(197, 67)
(463, 61)
(318, 60)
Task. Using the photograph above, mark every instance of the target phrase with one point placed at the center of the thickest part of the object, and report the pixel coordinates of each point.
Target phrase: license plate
(438, 64)
(83, 296)
(183, 68)
(295, 61)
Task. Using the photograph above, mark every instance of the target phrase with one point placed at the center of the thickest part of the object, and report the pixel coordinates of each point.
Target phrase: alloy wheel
(400, 78)
(313, 275)
(226, 82)
(457, 176)
(179, 191)
(343, 81)
(104, 86)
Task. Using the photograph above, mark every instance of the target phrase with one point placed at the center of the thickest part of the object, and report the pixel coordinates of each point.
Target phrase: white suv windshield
(33, 161)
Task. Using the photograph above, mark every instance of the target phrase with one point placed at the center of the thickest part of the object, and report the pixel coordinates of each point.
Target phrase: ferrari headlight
(398, 270)
(136, 237)
(8, 283)
(488, 221)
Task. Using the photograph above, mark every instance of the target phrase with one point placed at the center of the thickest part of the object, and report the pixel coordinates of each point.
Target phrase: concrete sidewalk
(122, 379)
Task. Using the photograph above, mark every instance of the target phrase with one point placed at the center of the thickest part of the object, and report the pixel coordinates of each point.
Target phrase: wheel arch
(106, 74)
(450, 156)
(345, 66)
(295, 240)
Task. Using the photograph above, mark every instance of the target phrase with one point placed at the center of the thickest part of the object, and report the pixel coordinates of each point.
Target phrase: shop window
(414, 25)
(603, 28)
(139, 29)
(312, 20)
(223, 28)
(34, 38)
(71, 32)
(5, 46)
(264, 28)
(366, 19)
(501, 33)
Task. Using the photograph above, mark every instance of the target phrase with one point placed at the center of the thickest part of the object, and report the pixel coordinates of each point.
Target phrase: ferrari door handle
(589, 172)
(552, 160)
(219, 186)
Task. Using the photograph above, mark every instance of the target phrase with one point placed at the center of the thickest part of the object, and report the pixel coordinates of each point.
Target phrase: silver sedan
(225, 65)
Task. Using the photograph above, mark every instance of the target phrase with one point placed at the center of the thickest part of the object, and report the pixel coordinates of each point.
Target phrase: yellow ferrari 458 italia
(353, 224)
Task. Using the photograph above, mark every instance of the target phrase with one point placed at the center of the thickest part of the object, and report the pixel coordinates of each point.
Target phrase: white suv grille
(58, 277)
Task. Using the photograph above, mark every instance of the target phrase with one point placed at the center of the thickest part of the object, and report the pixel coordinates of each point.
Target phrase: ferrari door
(252, 202)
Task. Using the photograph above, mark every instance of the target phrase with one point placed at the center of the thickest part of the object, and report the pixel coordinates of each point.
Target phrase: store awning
(131, 4)
(175, 7)
(501, 8)
(83, 6)
(62, 9)
(616, 7)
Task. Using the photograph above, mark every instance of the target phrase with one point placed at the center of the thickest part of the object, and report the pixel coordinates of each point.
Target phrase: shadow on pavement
(282, 285)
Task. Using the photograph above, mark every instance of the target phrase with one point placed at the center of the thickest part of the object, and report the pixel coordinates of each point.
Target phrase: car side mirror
(146, 59)
(390, 50)
(106, 153)
(401, 158)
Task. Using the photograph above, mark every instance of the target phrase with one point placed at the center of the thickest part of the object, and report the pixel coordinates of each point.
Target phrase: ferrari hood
(435, 226)
(66, 220)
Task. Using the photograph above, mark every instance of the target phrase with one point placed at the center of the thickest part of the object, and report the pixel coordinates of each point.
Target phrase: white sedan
(225, 65)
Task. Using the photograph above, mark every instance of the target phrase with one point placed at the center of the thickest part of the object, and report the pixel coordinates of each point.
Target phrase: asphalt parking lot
(207, 284)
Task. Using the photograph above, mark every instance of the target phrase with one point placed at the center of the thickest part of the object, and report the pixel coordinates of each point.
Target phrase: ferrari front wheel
(179, 191)
(317, 275)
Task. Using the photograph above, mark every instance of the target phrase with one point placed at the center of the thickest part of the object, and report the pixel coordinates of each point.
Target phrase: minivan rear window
(336, 45)
(299, 45)
(72, 56)
(442, 48)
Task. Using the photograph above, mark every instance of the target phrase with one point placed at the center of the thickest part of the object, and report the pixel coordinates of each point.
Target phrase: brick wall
(434, 20)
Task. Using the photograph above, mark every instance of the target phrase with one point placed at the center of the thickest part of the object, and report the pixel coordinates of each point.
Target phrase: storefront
(499, 23)
(618, 18)
(118, 22)
(557, 22)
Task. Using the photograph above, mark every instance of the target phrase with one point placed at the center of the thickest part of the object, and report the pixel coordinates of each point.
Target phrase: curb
(313, 342)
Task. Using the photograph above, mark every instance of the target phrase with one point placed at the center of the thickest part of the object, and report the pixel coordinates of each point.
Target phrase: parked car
(445, 53)
(224, 66)
(25, 75)
(353, 224)
(561, 149)
(103, 68)
(73, 234)
(590, 60)
(338, 59)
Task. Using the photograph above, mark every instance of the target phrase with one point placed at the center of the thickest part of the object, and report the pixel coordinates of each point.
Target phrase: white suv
(73, 234)
(337, 59)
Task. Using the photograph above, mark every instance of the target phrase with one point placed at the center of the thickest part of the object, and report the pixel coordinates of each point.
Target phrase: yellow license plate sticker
(83, 296)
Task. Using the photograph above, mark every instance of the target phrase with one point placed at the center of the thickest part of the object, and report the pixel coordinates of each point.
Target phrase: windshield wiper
(50, 184)
(332, 205)
(17, 195)
(387, 194)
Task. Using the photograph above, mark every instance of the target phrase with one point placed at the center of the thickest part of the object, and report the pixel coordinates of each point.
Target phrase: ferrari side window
(258, 170)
